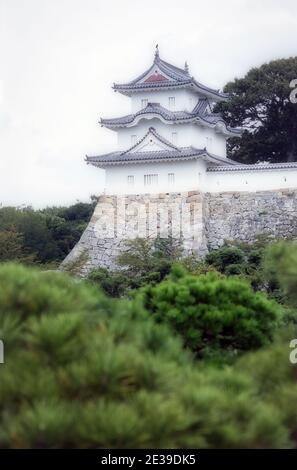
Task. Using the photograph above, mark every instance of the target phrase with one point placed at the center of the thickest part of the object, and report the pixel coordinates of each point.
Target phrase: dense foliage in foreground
(84, 370)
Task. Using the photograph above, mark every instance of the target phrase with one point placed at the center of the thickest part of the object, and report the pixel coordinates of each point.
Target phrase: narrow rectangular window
(144, 103)
(133, 139)
(150, 180)
(171, 102)
(130, 180)
(174, 138)
(171, 178)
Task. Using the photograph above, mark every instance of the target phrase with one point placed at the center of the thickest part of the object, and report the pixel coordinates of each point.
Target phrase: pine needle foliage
(85, 371)
(213, 314)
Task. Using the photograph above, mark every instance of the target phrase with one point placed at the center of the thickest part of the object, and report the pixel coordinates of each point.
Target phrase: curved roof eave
(209, 92)
(170, 85)
(128, 89)
(132, 120)
(165, 155)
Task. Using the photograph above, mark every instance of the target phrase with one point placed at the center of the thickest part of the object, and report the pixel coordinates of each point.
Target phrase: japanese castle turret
(170, 176)
(173, 141)
(171, 136)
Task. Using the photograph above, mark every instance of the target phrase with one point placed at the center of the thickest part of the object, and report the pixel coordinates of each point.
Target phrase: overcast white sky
(59, 58)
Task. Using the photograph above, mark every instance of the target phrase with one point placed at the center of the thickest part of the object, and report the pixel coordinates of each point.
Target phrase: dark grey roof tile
(198, 114)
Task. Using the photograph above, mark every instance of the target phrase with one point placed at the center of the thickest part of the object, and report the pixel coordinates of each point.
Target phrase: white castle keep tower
(170, 175)
(170, 138)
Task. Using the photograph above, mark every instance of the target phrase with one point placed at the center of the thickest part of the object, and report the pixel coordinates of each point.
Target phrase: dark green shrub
(281, 269)
(113, 284)
(225, 256)
(234, 269)
(212, 313)
(247, 261)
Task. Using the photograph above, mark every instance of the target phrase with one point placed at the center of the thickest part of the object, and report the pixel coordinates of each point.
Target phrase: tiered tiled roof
(162, 75)
(198, 115)
(166, 152)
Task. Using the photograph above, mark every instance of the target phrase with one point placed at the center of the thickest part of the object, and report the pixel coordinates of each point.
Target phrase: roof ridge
(175, 68)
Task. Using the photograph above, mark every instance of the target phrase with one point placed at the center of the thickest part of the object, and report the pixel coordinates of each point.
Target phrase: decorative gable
(151, 142)
(156, 77)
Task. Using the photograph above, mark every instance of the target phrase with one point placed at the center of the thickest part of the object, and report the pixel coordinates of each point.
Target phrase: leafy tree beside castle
(260, 103)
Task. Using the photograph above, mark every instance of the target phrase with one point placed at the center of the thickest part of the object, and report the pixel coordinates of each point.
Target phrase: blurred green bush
(280, 264)
(213, 314)
(83, 370)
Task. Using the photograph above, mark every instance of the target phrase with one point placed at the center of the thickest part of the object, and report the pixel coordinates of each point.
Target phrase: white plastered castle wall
(188, 175)
(182, 135)
(185, 100)
(191, 175)
(251, 180)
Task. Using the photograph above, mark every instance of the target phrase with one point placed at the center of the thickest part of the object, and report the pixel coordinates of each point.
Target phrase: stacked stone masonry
(201, 221)
(246, 215)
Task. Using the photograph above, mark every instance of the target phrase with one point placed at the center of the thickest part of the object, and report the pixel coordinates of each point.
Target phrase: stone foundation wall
(244, 216)
(199, 221)
(117, 219)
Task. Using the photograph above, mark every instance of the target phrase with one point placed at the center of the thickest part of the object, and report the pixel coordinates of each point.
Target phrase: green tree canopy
(46, 235)
(12, 246)
(260, 103)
